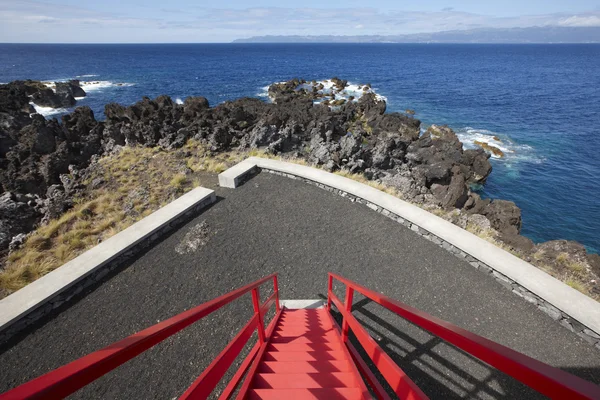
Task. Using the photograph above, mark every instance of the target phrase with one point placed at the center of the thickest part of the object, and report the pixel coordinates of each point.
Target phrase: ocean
(539, 103)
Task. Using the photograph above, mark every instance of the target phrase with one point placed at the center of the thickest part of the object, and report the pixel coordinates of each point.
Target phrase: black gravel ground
(275, 224)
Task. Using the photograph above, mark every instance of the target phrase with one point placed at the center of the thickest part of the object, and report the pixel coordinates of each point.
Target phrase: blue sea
(541, 101)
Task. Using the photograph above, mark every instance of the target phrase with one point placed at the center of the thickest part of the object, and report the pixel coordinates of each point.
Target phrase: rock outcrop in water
(42, 162)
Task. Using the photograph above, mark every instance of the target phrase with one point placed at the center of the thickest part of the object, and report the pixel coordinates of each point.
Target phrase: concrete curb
(504, 266)
(235, 175)
(302, 304)
(44, 290)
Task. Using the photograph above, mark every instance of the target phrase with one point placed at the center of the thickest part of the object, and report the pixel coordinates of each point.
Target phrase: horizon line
(236, 42)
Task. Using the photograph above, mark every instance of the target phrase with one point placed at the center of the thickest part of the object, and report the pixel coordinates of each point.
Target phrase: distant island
(539, 34)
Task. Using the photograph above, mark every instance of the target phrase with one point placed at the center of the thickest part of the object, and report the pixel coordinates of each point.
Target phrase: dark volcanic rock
(145, 122)
(371, 108)
(70, 88)
(45, 158)
(38, 137)
(480, 167)
(407, 128)
(57, 202)
(453, 195)
(475, 204)
(516, 241)
(503, 215)
(16, 216)
(47, 98)
(594, 261)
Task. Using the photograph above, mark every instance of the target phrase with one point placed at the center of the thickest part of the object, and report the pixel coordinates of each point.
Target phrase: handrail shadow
(440, 369)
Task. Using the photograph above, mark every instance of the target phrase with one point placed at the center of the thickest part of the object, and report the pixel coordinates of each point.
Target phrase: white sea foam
(86, 76)
(91, 86)
(264, 91)
(178, 101)
(50, 85)
(48, 111)
(351, 90)
(512, 151)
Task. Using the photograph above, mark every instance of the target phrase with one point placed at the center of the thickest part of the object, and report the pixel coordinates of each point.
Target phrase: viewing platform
(273, 224)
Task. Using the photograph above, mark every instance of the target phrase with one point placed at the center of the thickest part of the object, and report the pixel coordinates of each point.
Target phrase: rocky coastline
(45, 162)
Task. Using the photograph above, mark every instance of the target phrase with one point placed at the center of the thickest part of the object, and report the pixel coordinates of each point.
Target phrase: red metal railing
(547, 380)
(72, 377)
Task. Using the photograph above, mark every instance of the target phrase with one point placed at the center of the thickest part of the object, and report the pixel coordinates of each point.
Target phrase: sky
(185, 21)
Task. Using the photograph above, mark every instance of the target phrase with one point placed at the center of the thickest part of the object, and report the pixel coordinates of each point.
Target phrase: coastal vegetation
(124, 187)
(120, 189)
(67, 186)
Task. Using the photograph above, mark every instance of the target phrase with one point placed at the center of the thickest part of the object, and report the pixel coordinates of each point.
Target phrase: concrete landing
(302, 304)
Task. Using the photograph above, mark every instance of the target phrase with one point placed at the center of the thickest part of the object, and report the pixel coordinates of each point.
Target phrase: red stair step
(311, 394)
(305, 339)
(321, 317)
(306, 381)
(304, 313)
(304, 321)
(299, 321)
(304, 346)
(304, 329)
(304, 355)
(331, 335)
(311, 322)
(291, 367)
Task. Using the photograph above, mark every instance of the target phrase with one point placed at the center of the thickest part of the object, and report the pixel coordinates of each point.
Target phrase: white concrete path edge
(573, 303)
(302, 304)
(25, 300)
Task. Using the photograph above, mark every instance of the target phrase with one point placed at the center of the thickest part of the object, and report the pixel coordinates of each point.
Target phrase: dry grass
(138, 181)
(377, 185)
(577, 285)
(141, 180)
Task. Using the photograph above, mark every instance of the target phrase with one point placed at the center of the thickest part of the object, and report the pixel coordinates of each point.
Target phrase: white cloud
(587, 21)
(33, 21)
(39, 18)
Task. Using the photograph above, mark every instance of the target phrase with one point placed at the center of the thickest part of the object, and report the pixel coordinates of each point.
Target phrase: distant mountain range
(538, 34)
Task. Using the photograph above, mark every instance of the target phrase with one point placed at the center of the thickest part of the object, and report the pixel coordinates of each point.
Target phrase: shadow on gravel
(19, 336)
(441, 370)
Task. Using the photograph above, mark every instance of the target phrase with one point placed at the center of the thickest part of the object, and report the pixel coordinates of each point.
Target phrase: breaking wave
(178, 100)
(351, 90)
(91, 86)
(264, 91)
(512, 151)
(48, 111)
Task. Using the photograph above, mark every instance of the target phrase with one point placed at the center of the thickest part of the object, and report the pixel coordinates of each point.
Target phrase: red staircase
(305, 358)
(304, 354)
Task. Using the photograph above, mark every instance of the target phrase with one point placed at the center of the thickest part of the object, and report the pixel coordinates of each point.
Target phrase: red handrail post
(276, 289)
(548, 380)
(329, 291)
(348, 306)
(256, 304)
(71, 377)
